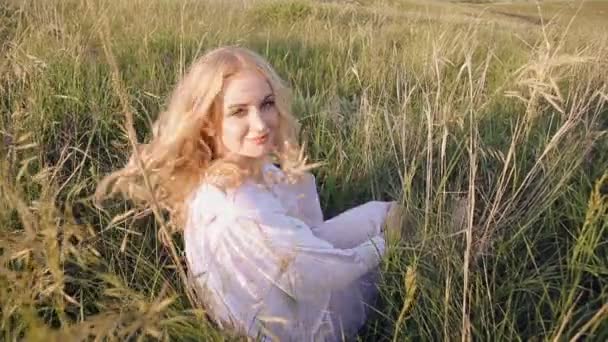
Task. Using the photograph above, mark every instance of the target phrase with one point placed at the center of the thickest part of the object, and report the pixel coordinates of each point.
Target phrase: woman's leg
(354, 226)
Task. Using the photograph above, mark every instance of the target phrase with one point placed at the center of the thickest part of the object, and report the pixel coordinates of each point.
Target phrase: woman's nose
(256, 121)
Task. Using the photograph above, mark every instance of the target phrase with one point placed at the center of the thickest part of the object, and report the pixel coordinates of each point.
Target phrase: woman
(264, 260)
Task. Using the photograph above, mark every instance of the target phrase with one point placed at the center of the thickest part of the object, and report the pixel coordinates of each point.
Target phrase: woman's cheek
(273, 120)
(275, 129)
(233, 133)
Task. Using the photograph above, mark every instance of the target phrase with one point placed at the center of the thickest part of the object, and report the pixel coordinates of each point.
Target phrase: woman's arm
(284, 251)
(307, 199)
(249, 244)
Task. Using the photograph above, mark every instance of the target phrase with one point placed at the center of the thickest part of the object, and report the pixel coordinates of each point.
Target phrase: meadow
(487, 122)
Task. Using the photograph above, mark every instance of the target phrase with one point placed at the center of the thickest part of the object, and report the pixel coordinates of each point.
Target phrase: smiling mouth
(260, 139)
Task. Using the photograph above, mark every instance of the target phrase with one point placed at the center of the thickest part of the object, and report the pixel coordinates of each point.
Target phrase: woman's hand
(393, 223)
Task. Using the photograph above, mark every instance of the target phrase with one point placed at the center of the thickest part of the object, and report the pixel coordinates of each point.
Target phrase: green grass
(490, 132)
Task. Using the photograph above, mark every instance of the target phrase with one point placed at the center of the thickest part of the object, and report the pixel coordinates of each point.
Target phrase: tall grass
(490, 134)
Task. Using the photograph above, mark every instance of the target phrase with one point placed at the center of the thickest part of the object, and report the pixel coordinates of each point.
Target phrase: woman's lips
(260, 140)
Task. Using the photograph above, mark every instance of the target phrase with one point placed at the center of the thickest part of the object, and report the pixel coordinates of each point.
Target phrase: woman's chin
(259, 151)
(255, 155)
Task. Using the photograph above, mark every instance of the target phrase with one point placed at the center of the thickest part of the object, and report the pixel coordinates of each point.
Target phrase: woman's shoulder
(204, 204)
(207, 193)
(208, 206)
(246, 198)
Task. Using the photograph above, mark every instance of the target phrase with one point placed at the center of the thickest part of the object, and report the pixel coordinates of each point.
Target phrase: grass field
(487, 121)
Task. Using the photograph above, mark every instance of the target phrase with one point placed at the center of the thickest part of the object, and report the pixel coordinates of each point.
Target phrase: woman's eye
(238, 112)
(268, 104)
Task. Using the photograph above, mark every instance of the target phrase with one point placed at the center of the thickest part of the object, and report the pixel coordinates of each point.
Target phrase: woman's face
(250, 117)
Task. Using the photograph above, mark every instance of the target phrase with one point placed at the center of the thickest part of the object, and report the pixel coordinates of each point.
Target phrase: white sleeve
(355, 225)
(295, 260)
(307, 199)
(270, 247)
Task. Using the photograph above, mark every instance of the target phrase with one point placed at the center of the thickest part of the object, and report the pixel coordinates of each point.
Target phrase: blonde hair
(182, 153)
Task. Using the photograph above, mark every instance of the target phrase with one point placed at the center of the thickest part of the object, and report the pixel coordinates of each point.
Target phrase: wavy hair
(182, 153)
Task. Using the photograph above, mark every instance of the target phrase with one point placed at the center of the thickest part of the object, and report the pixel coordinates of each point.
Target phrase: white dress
(269, 266)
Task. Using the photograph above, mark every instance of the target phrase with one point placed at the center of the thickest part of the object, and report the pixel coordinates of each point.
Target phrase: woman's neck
(251, 168)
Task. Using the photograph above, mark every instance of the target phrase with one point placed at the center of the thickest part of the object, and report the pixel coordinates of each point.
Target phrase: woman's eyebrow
(267, 97)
